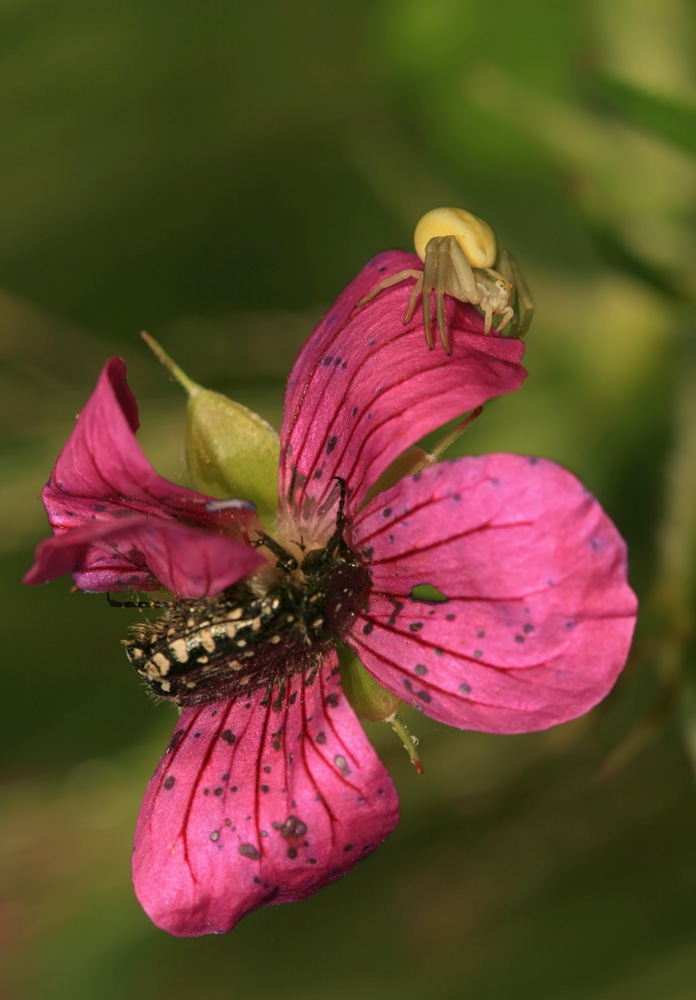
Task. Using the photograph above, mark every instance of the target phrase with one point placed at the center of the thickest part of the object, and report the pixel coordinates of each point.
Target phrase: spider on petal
(461, 258)
(264, 796)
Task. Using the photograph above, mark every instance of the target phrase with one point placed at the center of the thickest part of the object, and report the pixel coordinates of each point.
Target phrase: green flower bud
(230, 450)
(370, 701)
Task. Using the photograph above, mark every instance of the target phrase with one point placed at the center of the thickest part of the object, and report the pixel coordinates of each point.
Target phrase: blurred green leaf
(617, 253)
(664, 116)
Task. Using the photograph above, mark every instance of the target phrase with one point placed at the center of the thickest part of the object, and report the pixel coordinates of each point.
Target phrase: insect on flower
(461, 258)
(256, 633)
(269, 788)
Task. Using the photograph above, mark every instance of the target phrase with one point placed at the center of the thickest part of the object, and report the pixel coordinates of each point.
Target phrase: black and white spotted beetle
(275, 623)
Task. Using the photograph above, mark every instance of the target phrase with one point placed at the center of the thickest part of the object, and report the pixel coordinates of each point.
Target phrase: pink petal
(258, 802)
(103, 463)
(365, 387)
(539, 618)
(138, 552)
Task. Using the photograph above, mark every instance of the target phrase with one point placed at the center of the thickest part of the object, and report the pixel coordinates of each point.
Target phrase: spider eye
(474, 236)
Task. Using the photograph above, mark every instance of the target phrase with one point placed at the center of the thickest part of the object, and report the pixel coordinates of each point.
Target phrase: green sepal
(230, 450)
(370, 701)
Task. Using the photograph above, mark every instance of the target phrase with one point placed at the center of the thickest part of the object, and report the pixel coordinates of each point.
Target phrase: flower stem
(182, 378)
(409, 741)
(449, 439)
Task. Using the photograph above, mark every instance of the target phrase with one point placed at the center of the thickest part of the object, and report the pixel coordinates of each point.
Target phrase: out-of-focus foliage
(216, 173)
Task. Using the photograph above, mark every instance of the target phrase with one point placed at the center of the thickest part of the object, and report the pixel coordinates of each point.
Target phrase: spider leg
(409, 272)
(414, 297)
(507, 315)
(429, 280)
(462, 284)
(510, 270)
(441, 284)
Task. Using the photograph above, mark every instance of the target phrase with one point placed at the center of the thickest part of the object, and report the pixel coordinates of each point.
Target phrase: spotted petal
(365, 387)
(103, 463)
(538, 618)
(258, 802)
(142, 553)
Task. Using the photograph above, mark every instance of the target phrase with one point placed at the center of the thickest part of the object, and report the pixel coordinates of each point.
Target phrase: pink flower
(270, 789)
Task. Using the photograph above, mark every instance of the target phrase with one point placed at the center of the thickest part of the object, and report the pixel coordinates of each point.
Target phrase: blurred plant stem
(671, 603)
(665, 636)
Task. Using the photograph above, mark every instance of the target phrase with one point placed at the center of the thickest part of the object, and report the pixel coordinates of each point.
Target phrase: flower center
(257, 632)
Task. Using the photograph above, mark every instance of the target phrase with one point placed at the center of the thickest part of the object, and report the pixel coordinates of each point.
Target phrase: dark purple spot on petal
(332, 444)
(415, 626)
(450, 617)
(528, 629)
(264, 788)
(321, 737)
(478, 653)
(176, 740)
(421, 669)
(228, 736)
(367, 628)
(465, 689)
(169, 782)
(519, 638)
(249, 851)
(386, 512)
(424, 696)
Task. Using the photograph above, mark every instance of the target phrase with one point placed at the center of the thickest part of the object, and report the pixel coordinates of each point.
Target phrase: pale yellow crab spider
(461, 258)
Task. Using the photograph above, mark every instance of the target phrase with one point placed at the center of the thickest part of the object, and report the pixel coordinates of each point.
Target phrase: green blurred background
(216, 173)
